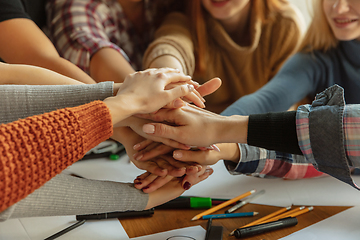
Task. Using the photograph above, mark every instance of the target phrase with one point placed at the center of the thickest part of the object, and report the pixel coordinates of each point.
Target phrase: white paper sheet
(43, 227)
(190, 233)
(13, 229)
(344, 225)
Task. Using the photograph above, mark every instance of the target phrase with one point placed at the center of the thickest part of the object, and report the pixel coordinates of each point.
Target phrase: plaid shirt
(80, 28)
(264, 163)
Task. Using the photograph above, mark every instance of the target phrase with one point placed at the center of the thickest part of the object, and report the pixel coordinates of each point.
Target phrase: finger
(208, 157)
(151, 167)
(139, 155)
(191, 167)
(194, 168)
(179, 168)
(160, 130)
(178, 92)
(144, 180)
(194, 98)
(142, 145)
(157, 183)
(175, 77)
(161, 149)
(209, 87)
(172, 170)
(177, 103)
(190, 180)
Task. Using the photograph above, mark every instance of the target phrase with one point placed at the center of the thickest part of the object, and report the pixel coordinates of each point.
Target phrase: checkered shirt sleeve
(80, 28)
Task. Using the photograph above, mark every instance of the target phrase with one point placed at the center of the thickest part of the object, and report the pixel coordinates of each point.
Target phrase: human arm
(78, 196)
(55, 135)
(326, 132)
(301, 75)
(81, 33)
(22, 42)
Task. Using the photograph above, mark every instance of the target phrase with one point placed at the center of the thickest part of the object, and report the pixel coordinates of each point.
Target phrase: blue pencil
(230, 215)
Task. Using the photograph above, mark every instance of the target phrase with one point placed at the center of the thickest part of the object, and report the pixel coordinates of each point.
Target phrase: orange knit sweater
(35, 149)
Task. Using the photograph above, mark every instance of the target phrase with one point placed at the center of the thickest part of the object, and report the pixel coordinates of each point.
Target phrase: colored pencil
(222, 205)
(230, 215)
(294, 214)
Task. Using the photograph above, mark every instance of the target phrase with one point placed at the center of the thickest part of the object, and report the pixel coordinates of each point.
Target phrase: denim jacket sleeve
(327, 134)
(329, 137)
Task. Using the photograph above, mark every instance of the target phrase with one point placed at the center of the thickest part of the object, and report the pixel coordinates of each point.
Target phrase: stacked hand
(167, 89)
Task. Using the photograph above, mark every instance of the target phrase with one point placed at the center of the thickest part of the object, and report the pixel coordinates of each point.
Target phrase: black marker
(126, 214)
(265, 227)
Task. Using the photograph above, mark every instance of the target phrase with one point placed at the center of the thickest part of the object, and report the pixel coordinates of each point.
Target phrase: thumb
(160, 130)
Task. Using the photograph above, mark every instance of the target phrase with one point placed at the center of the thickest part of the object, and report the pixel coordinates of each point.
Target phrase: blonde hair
(319, 35)
(264, 9)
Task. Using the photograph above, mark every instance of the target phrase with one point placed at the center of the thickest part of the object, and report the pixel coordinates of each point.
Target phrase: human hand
(193, 126)
(136, 125)
(160, 165)
(200, 91)
(174, 187)
(228, 151)
(145, 92)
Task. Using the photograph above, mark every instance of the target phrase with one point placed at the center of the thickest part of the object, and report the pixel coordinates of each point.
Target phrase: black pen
(98, 216)
(208, 228)
(68, 229)
(265, 227)
(108, 215)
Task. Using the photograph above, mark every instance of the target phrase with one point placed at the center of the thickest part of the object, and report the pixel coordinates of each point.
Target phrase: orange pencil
(284, 215)
(294, 214)
(264, 218)
(222, 205)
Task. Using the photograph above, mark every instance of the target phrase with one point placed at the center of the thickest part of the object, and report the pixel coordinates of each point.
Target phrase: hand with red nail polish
(171, 187)
(160, 164)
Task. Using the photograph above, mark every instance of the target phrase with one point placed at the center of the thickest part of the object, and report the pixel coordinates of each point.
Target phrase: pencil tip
(194, 218)
(256, 213)
(232, 233)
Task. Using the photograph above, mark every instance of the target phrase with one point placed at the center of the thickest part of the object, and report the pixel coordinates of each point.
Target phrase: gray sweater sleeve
(21, 101)
(68, 195)
(64, 195)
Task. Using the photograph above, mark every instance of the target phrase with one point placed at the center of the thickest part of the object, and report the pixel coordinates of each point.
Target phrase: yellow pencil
(264, 218)
(222, 205)
(294, 214)
(284, 215)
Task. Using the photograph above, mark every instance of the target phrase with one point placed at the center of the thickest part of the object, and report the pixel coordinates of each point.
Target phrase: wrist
(119, 109)
(230, 152)
(116, 88)
(233, 129)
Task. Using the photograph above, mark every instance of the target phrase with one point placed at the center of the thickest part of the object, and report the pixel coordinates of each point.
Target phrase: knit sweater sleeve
(35, 149)
(173, 38)
(274, 131)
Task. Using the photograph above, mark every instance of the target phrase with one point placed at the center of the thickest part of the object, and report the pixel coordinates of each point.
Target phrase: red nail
(186, 185)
